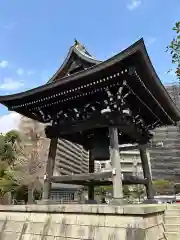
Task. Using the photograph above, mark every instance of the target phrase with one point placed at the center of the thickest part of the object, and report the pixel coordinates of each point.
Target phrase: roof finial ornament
(76, 43)
(81, 47)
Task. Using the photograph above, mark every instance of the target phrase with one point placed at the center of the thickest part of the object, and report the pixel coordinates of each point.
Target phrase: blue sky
(35, 36)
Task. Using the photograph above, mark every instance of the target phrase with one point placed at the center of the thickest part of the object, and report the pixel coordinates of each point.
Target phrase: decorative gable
(78, 59)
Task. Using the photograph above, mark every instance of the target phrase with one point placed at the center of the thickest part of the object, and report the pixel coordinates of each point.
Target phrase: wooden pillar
(91, 170)
(49, 168)
(147, 174)
(116, 166)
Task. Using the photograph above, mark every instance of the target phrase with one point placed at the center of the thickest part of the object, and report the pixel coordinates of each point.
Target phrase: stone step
(172, 227)
(172, 220)
(172, 236)
(173, 206)
(172, 212)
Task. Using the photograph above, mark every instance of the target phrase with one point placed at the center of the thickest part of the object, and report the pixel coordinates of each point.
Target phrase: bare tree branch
(33, 152)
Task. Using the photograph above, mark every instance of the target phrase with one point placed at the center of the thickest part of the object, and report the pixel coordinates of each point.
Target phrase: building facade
(71, 158)
(130, 164)
(165, 147)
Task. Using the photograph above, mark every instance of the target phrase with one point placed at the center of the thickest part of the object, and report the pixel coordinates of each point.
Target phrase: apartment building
(130, 163)
(165, 149)
(71, 158)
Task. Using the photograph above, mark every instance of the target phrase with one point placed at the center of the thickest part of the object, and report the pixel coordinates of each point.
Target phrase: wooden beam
(128, 180)
(79, 126)
(128, 148)
(131, 147)
(91, 170)
(147, 173)
(116, 165)
(49, 168)
(102, 121)
(82, 177)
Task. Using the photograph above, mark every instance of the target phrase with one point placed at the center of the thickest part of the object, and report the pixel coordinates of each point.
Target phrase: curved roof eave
(62, 65)
(162, 90)
(137, 47)
(80, 55)
(125, 53)
(85, 57)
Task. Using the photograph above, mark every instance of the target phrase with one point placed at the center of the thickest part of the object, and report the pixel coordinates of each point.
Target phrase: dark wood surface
(144, 82)
(86, 179)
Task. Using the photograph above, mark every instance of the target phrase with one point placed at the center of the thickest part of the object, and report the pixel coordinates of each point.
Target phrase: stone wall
(85, 222)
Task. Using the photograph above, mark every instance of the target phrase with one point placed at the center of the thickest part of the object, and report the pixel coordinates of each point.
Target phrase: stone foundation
(85, 222)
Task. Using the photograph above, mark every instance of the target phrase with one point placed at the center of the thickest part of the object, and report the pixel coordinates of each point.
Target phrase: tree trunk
(30, 195)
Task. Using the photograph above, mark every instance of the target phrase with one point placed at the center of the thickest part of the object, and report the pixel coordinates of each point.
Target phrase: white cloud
(151, 40)
(10, 25)
(30, 72)
(134, 4)
(9, 122)
(4, 64)
(10, 84)
(20, 71)
(171, 72)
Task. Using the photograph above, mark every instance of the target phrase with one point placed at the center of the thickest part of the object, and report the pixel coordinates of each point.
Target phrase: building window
(103, 165)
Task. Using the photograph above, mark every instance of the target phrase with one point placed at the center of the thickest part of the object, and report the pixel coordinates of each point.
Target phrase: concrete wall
(130, 163)
(55, 222)
(172, 222)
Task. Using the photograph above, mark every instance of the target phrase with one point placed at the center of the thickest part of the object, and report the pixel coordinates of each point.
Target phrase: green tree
(8, 155)
(7, 179)
(8, 146)
(103, 190)
(162, 186)
(12, 137)
(174, 48)
(139, 192)
(126, 191)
